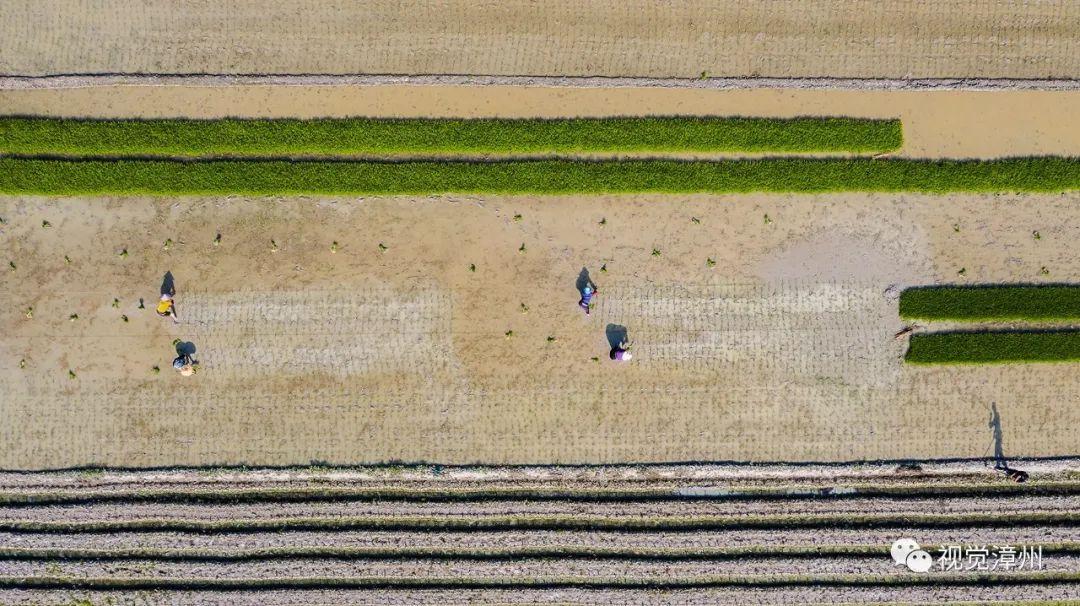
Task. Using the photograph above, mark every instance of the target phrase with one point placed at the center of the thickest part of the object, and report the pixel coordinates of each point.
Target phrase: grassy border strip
(381, 136)
(462, 495)
(981, 347)
(276, 177)
(992, 302)
(551, 522)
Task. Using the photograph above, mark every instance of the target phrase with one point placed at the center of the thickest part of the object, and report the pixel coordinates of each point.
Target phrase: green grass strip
(370, 136)
(992, 347)
(991, 303)
(162, 177)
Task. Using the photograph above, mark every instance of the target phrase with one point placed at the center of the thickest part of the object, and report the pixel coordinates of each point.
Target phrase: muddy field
(783, 350)
(819, 38)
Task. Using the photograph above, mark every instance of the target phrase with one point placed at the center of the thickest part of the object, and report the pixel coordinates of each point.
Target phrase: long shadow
(999, 449)
(168, 286)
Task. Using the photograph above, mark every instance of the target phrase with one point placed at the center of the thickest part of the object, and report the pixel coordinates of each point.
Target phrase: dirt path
(950, 124)
(835, 38)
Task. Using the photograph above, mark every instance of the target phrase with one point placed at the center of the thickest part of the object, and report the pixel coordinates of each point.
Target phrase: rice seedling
(1043, 271)
(22, 363)
(508, 334)
(383, 248)
(991, 303)
(603, 221)
(116, 303)
(1035, 234)
(167, 244)
(695, 220)
(67, 259)
(124, 318)
(73, 317)
(709, 262)
(551, 339)
(956, 227)
(517, 218)
(11, 265)
(472, 267)
(46, 224)
(155, 369)
(71, 374)
(29, 313)
(273, 246)
(375, 136)
(768, 219)
(524, 308)
(217, 240)
(333, 247)
(123, 253)
(961, 271)
(521, 250)
(656, 252)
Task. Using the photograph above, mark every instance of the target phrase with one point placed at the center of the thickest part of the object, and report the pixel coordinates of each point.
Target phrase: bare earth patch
(783, 350)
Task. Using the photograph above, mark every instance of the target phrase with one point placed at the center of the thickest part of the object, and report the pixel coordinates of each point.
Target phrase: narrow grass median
(992, 303)
(370, 136)
(994, 347)
(274, 177)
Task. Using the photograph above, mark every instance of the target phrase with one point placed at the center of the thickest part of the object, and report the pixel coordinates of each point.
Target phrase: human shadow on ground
(168, 287)
(1000, 462)
(184, 348)
(584, 280)
(616, 335)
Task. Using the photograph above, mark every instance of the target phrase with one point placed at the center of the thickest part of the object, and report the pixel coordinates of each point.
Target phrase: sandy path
(956, 124)
(787, 339)
(838, 38)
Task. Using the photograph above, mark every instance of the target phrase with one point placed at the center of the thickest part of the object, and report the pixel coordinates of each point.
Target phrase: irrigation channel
(625, 534)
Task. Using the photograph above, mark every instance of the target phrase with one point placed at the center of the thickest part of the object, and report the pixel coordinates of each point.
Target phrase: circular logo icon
(919, 561)
(900, 550)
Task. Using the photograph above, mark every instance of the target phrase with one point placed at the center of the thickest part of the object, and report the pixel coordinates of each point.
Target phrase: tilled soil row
(702, 507)
(997, 594)
(555, 522)
(596, 569)
(425, 492)
(520, 539)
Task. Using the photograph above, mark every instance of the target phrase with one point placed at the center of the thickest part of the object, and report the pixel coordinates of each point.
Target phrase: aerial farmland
(358, 304)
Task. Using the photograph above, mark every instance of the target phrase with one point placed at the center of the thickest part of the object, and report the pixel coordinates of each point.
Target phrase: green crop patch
(992, 303)
(994, 347)
(369, 136)
(273, 177)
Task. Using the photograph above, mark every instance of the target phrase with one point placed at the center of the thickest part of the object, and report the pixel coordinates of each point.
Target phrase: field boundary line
(14, 82)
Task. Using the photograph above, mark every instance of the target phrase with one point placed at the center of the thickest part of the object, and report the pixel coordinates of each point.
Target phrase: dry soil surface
(685, 38)
(783, 350)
